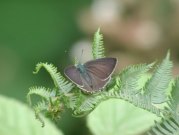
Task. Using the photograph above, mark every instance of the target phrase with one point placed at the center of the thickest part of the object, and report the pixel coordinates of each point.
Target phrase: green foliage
(128, 85)
(166, 127)
(40, 91)
(174, 102)
(60, 82)
(98, 48)
(129, 77)
(114, 117)
(170, 122)
(17, 119)
(50, 104)
(158, 83)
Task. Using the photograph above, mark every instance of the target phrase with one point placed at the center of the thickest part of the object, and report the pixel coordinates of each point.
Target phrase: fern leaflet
(158, 83)
(41, 106)
(98, 48)
(166, 127)
(60, 82)
(130, 76)
(40, 91)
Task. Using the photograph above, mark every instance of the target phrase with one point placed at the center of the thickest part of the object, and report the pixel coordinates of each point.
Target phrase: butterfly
(93, 75)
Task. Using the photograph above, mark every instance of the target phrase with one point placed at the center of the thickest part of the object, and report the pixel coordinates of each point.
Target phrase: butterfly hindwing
(94, 84)
(74, 75)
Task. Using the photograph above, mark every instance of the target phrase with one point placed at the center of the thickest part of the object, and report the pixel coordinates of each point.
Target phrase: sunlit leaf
(17, 119)
(115, 117)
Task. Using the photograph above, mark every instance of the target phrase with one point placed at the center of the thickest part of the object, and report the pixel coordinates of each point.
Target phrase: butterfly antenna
(78, 61)
(81, 55)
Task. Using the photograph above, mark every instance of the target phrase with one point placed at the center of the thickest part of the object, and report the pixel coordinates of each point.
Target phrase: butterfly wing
(74, 75)
(94, 84)
(96, 76)
(101, 68)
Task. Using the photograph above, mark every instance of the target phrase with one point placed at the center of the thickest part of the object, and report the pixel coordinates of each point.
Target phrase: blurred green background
(55, 31)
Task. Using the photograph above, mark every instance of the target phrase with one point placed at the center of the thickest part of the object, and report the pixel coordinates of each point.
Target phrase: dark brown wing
(74, 75)
(94, 84)
(101, 68)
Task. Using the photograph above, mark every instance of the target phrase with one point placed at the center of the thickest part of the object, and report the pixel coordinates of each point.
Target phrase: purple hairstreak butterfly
(93, 75)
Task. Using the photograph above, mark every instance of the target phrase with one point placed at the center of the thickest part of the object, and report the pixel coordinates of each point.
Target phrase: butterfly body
(93, 75)
(81, 68)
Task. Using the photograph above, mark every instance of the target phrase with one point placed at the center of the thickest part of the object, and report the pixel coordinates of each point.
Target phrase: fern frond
(71, 100)
(137, 100)
(175, 92)
(98, 48)
(87, 105)
(166, 127)
(157, 85)
(174, 100)
(60, 82)
(130, 76)
(40, 91)
(41, 106)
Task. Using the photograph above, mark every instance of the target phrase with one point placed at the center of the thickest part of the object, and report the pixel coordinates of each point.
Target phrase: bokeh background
(55, 31)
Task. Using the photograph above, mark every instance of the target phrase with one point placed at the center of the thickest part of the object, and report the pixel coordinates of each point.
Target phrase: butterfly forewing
(101, 68)
(73, 74)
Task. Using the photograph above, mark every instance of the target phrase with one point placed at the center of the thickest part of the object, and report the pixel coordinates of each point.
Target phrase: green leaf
(115, 117)
(174, 102)
(98, 48)
(17, 119)
(175, 91)
(130, 77)
(143, 79)
(60, 82)
(87, 105)
(166, 127)
(40, 91)
(157, 85)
